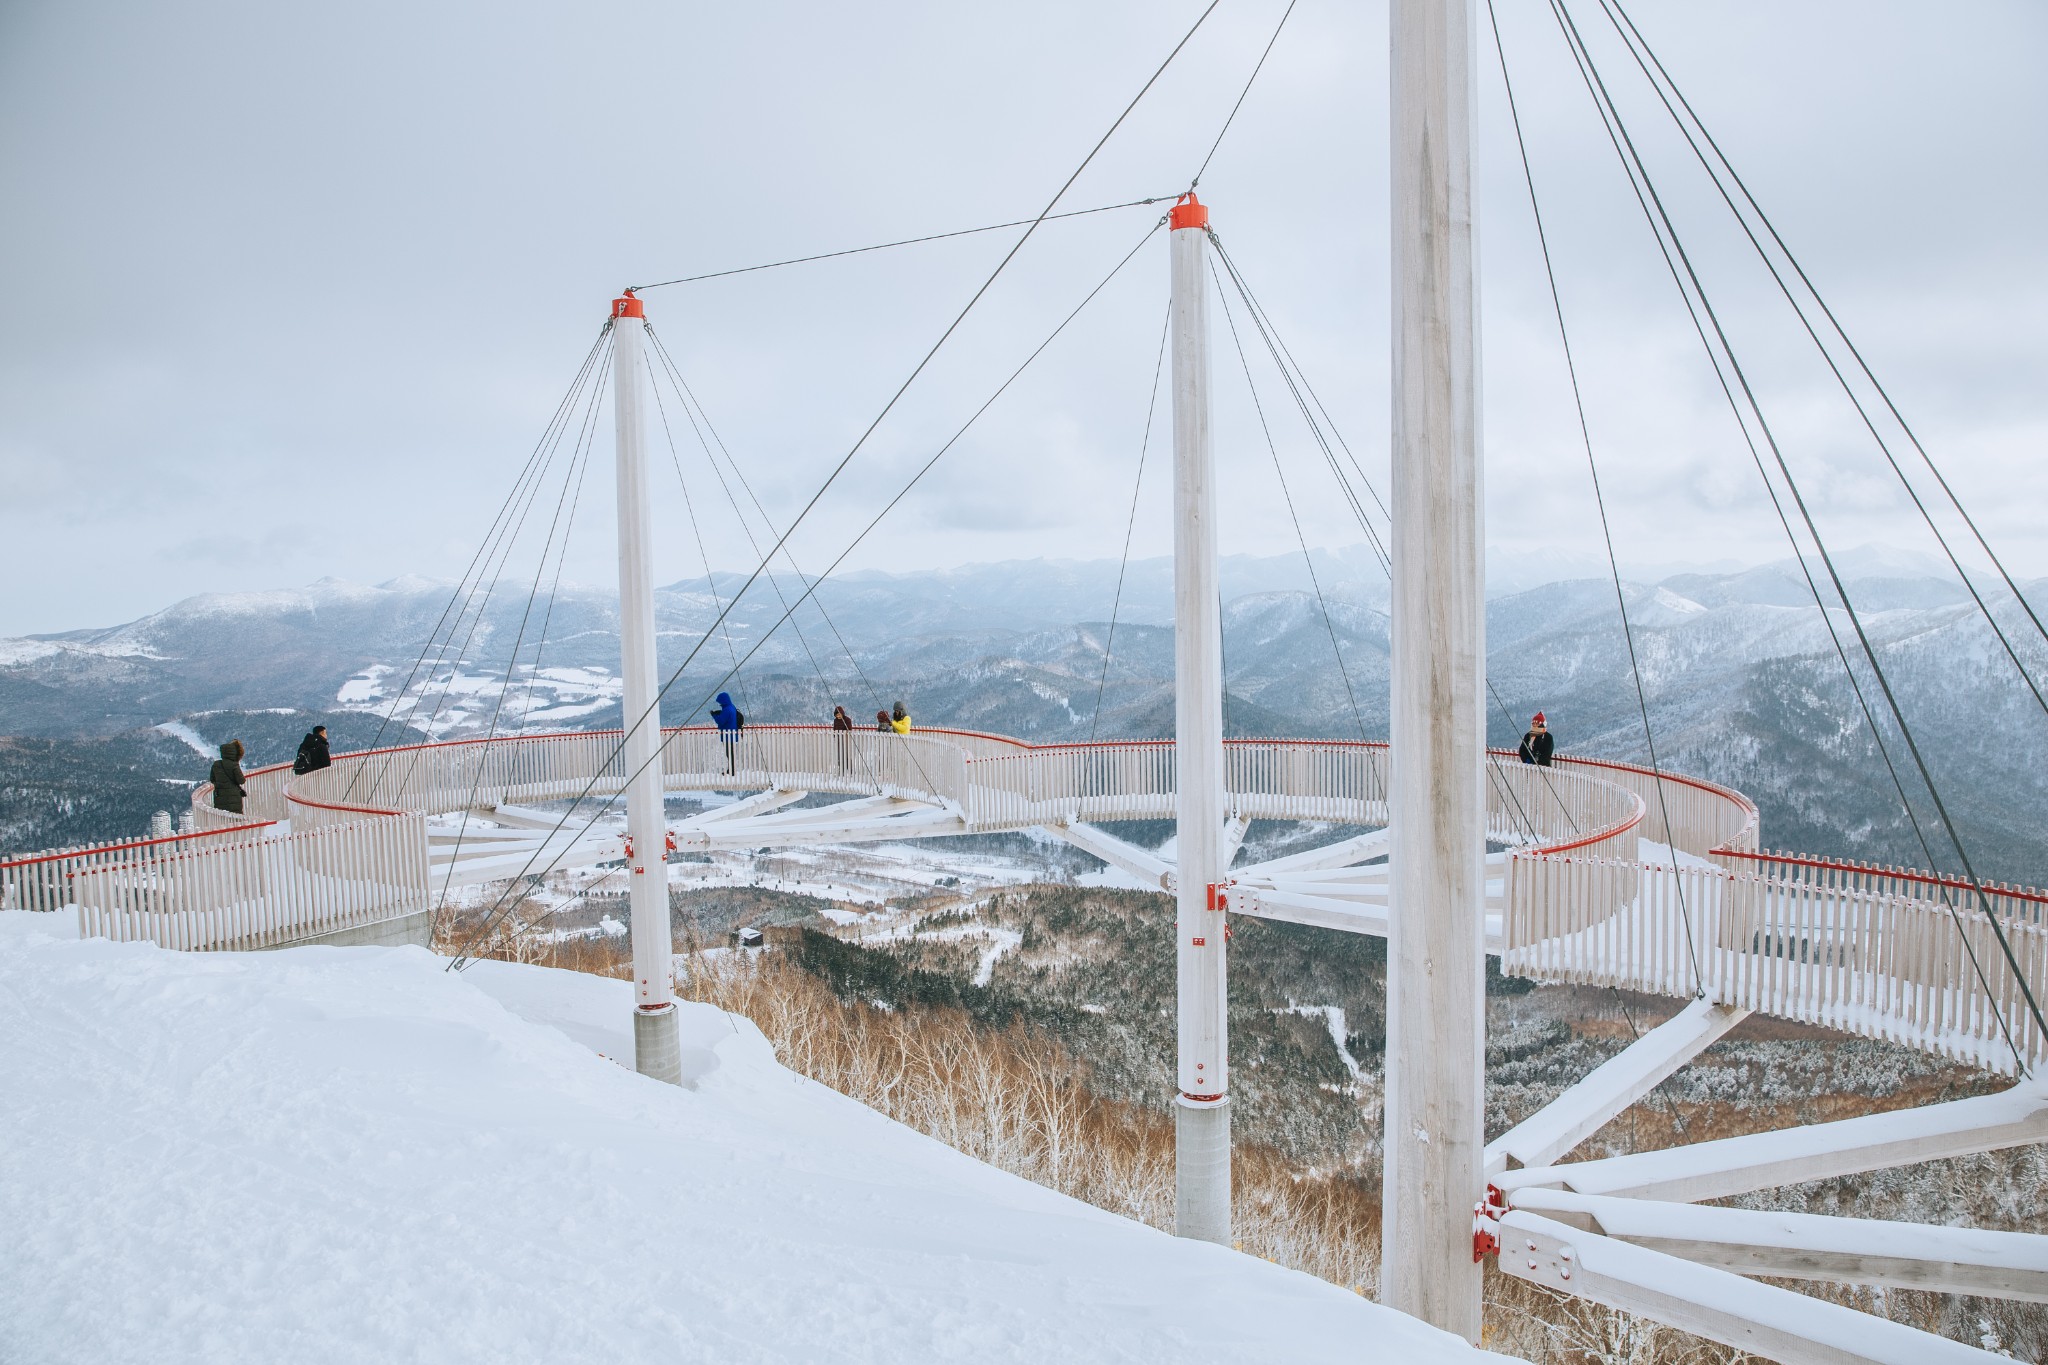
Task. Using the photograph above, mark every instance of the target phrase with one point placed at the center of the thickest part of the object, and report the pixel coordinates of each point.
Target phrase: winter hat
(1537, 719)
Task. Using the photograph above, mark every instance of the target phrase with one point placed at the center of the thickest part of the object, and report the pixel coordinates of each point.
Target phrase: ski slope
(330, 1154)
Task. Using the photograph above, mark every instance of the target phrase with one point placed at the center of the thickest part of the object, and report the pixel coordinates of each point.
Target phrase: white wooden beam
(522, 817)
(1762, 1319)
(1611, 1087)
(1118, 853)
(1806, 1246)
(917, 821)
(775, 798)
(1340, 854)
(1234, 830)
(1821, 1151)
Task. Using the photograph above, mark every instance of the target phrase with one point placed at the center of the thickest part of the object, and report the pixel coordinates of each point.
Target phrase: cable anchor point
(628, 305)
(1188, 212)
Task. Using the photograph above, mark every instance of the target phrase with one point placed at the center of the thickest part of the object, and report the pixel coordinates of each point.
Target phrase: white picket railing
(248, 886)
(1868, 949)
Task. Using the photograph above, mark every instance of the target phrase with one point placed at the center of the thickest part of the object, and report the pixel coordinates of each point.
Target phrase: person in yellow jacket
(899, 720)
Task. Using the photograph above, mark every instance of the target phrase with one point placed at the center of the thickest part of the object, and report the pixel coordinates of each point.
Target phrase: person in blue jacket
(730, 718)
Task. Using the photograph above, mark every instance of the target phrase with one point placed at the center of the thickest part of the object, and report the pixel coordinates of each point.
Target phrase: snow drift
(352, 1155)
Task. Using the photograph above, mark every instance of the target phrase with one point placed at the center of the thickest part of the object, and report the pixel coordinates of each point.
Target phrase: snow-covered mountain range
(1741, 677)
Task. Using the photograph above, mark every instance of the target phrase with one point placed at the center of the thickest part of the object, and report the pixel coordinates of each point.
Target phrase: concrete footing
(1201, 1134)
(656, 1049)
(416, 928)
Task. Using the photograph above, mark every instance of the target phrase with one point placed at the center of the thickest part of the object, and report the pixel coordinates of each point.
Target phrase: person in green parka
(228, 782)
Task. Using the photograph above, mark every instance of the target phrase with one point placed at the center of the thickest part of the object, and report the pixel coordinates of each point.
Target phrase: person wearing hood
(899, 720)
(313, 753)
(228, 782)
(1537, 745)
(729, 719)
(882, 723)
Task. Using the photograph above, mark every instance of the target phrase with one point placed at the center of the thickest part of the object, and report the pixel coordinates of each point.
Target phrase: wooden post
(1202, 1100)
(1435, 989)
(655, 1047)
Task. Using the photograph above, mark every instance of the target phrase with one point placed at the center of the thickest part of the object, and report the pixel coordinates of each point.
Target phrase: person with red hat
(1537, 745)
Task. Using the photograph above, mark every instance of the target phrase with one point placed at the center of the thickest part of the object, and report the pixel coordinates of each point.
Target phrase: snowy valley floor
(353, 1155)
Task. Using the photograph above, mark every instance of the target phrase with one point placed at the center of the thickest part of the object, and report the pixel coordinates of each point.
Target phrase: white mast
(1436, 955)
(655, 1048)
(1202, 1106)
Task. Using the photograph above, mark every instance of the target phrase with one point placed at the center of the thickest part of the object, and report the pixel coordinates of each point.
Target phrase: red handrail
(62, 855)
(1897, 874)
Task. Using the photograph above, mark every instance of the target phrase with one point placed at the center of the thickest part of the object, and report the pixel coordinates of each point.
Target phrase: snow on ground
(1001, 941)
(1114, 879)
(350, 1154)
(1333, 1019)
(179, 730)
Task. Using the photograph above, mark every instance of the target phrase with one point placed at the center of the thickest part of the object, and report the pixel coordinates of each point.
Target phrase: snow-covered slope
(353, 1155)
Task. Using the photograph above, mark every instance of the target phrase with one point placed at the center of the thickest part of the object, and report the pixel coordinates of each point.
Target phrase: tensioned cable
(914, 241)
(572, 476)
(691, 401)
(1838, 329)
(457, 594)
(1600, 505)
(690, 506)
(1130, 523)
(1293, 366)
(654, 707)
(508, 542)
(462, 957)
(1298, 384)
(1770, 487)
(1632, 163)
(554, 594)
(1870, 424)
(687, 400)
(1232, 117)
(1777, 505)
(1322, 603)
(1295, 390)
(1597, 88)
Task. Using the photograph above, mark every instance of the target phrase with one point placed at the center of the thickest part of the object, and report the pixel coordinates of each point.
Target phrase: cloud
(330, 272)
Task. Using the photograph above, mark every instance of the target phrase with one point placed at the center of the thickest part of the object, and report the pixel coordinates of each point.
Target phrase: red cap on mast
(1188, 212)
(627, 306)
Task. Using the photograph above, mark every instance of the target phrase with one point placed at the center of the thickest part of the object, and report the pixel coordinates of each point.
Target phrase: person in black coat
(312, 752)
(1537, 745)
(228, 782)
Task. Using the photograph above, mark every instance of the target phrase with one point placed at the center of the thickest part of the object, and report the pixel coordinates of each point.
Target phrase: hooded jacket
(729, 717)
(312, 753)
(900, 722)
(228, 782)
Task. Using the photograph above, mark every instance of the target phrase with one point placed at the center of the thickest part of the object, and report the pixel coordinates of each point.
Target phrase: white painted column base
(657, 1048)
(1201, 1146)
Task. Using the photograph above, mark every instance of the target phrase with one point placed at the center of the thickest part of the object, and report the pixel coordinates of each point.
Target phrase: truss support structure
(1777, 1324)
(1202, 1100)
(656, 1049)
(1725, 1167)
(1436, 1008)
(1612, 1087)
(1809, 1246)
(1118, 853)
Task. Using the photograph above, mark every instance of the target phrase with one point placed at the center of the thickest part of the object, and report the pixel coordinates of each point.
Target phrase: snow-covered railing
(43, 881)
(245, 887)
(1876, 964)
(1866, 949)
(1824, 875)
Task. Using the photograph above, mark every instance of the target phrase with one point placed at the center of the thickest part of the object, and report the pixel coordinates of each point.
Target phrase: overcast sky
(291, 291)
